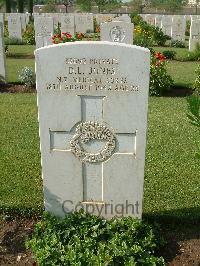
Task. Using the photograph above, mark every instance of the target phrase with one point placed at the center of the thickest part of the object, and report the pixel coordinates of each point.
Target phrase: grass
(21, 50)
(183, 73)
(180, 52)
(171, 173)
(14, 67)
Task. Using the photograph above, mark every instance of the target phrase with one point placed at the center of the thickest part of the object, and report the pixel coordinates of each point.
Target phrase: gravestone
(166, 25)
(2, 20)
(178, 28)
(117, 31)
(101, 18)
(84, 23)
(68, 24)
(43, 31)
(158, 21)
(15, 26)
(123, 18)
(92, 103)
(2, 56)
(194, 34)
(150, 19)
(23, 21)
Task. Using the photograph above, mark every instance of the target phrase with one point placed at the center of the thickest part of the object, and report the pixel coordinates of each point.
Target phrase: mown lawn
(171, 173)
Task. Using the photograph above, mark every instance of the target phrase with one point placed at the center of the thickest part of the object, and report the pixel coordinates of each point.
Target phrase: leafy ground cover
(171, 174)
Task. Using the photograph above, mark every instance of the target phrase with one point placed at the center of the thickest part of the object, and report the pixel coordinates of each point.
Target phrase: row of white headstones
(117, 31)
(175, 26)
(45, 24)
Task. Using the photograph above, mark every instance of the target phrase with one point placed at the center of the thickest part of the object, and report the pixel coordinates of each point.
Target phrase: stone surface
(2, 20)
(117, 31)
(92, 102)
(2, 56)
(44, 29)
(194, 34)
(178, 28)
(68, 24)
(158, 21)
(166, 25)
(84, 23)
(123, 18)
(150, 19)
(15, 26)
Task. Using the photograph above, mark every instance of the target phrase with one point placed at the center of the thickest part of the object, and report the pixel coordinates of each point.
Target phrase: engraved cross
(92, 109)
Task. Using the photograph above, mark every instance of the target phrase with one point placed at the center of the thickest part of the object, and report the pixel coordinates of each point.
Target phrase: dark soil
(182, 248)
(15, 88)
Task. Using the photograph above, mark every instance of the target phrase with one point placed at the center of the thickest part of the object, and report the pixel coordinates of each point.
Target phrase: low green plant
(13, 41)
(29, 34)
(83, 239)
(160, 80)
(177, 44)
(27, 77)
(168, 54)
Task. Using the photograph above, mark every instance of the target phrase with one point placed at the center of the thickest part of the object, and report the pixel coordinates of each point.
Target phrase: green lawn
(171, 174)
(21, 50)
(14, 67)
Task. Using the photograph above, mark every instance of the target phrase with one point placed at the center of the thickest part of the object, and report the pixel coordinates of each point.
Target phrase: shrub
(67, 37)
(27, 77)
(169, 54)
(29, 34)
(177, 44)
(194, 55)
(82, 239)
(160, 80)
(147, 35)
(13, 41)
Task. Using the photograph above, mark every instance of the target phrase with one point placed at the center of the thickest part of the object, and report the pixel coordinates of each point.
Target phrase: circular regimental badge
(92, 131)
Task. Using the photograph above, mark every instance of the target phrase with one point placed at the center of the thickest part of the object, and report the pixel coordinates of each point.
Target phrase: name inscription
(83, 74)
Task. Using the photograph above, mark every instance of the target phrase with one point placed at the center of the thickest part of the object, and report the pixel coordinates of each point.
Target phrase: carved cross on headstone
(93, 165)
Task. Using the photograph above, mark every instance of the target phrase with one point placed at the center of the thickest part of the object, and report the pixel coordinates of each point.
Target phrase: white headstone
(2, 56)
(15, 26)
(158, 20)
(194, 34)
(23, 21)
(124, 18)
(150, 19)
(2, 20)
(92, 102)
(166, 24)
(43, 31)
(101, 18)
(83, 23)
(178, 28)
(117, 31)
(68, 24)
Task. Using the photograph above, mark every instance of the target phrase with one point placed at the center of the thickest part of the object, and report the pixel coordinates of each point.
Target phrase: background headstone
(92, 103)
(178, 28)
(117, 31)
(68, 24)
(158, 21)
(15, 26)
(2, 55)
(194, 34)
(166, 24)
(44, 29)
(84, 23)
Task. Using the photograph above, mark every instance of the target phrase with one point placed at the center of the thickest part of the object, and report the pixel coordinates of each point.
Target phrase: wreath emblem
(88, 131)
